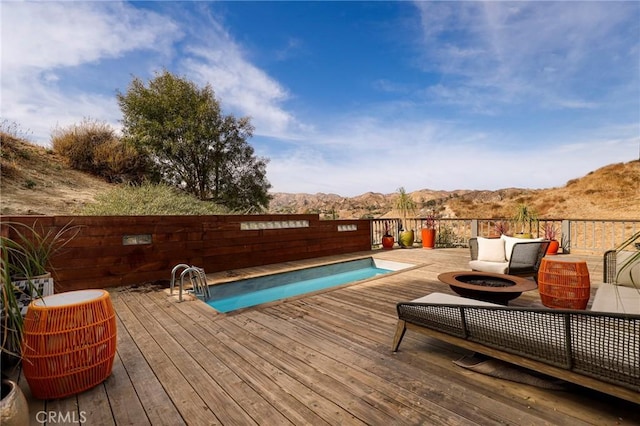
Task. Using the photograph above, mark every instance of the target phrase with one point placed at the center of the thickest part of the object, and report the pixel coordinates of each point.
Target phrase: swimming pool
(254, 291)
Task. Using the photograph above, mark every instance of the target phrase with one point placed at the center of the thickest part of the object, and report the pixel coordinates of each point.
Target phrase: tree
(182, 128)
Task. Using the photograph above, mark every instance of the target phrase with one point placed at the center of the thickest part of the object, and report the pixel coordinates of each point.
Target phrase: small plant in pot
(550, 233)
(387, 238)
(501, 228)
(13, 405)
(25, 253)
(428, 231)
(406, 206)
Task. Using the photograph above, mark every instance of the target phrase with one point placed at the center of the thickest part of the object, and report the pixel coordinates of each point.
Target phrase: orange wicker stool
(69, 343)
(564, 282)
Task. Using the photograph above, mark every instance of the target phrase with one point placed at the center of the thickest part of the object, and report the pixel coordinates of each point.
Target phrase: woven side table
(69, 343)
(564, 283)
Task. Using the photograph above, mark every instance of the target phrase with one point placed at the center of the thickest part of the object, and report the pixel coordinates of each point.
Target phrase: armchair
(507, 255)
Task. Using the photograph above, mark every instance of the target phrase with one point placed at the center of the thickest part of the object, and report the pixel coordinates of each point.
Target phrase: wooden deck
(319, 359)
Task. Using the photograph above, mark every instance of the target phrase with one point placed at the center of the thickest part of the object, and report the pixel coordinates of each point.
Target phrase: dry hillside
(36, 181)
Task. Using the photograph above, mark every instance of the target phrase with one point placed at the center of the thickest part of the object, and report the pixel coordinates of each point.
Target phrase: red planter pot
(428, 238)
(554, 245)
(387, 242)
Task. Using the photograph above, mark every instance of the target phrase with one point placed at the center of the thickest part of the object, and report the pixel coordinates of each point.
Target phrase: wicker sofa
(620, 291)
(598, 350)
(507, 255)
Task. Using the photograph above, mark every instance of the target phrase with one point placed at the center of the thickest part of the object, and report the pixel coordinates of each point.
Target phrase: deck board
(323, 358)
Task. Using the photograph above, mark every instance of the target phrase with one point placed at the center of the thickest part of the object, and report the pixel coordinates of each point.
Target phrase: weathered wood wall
(97, 258)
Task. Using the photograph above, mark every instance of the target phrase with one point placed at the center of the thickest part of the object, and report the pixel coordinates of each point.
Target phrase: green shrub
(149, 199)
(447, 237)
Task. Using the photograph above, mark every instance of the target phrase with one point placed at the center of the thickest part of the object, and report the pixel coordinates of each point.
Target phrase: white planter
(41, 286)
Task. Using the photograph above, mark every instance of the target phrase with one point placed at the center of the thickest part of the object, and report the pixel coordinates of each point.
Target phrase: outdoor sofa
(599, 348)
(507, 255)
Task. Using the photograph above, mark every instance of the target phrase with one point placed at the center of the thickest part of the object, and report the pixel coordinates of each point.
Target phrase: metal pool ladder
(196, 277)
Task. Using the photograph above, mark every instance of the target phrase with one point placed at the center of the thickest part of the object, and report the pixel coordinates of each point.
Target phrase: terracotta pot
(554, 245)
(428, 238)
(387, 242)
(14, 410)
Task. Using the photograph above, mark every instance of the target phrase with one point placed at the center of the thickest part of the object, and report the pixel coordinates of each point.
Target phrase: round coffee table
(487, 286)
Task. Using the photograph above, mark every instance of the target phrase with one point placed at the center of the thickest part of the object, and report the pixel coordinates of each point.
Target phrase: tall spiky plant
(406, 206)
(25, 253)
(524, 215)
(31, 249)
(11, 321)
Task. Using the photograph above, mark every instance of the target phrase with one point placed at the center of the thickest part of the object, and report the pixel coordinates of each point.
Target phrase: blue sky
(351, 97)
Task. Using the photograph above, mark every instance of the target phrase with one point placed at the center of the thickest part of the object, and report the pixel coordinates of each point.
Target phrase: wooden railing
(588, 236)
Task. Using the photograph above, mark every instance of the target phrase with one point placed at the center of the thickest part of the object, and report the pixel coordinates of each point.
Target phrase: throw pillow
(509, 242)
(631, 273)
(491, 249)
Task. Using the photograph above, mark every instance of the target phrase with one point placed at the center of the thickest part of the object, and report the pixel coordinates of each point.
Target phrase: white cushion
(628, 274)
(491, 249)
(509, 242)
(495, 267)
(616, 298)
(448, 299)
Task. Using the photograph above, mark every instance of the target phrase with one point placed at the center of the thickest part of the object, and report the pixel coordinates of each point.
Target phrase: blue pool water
(254, 291)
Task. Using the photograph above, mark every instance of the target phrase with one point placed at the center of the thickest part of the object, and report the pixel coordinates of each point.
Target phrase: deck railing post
(566, 236)
(474, 228)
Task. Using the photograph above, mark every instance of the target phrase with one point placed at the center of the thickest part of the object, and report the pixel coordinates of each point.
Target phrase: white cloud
(365, 154)
(216, 59)
(553, 54)
(41, 40)
(46, 35)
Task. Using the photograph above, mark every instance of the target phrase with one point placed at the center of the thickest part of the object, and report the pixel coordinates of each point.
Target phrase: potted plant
(428, 232)
(500, 228)
(406, 206)
(524, 215)
(13, 405)
(387, 238)
(26, 253)
(550, 234)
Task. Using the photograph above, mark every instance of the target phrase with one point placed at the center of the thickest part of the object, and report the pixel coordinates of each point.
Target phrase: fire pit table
(487, 286)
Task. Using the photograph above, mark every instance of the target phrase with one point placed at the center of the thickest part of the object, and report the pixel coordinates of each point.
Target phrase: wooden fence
(124, 250)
